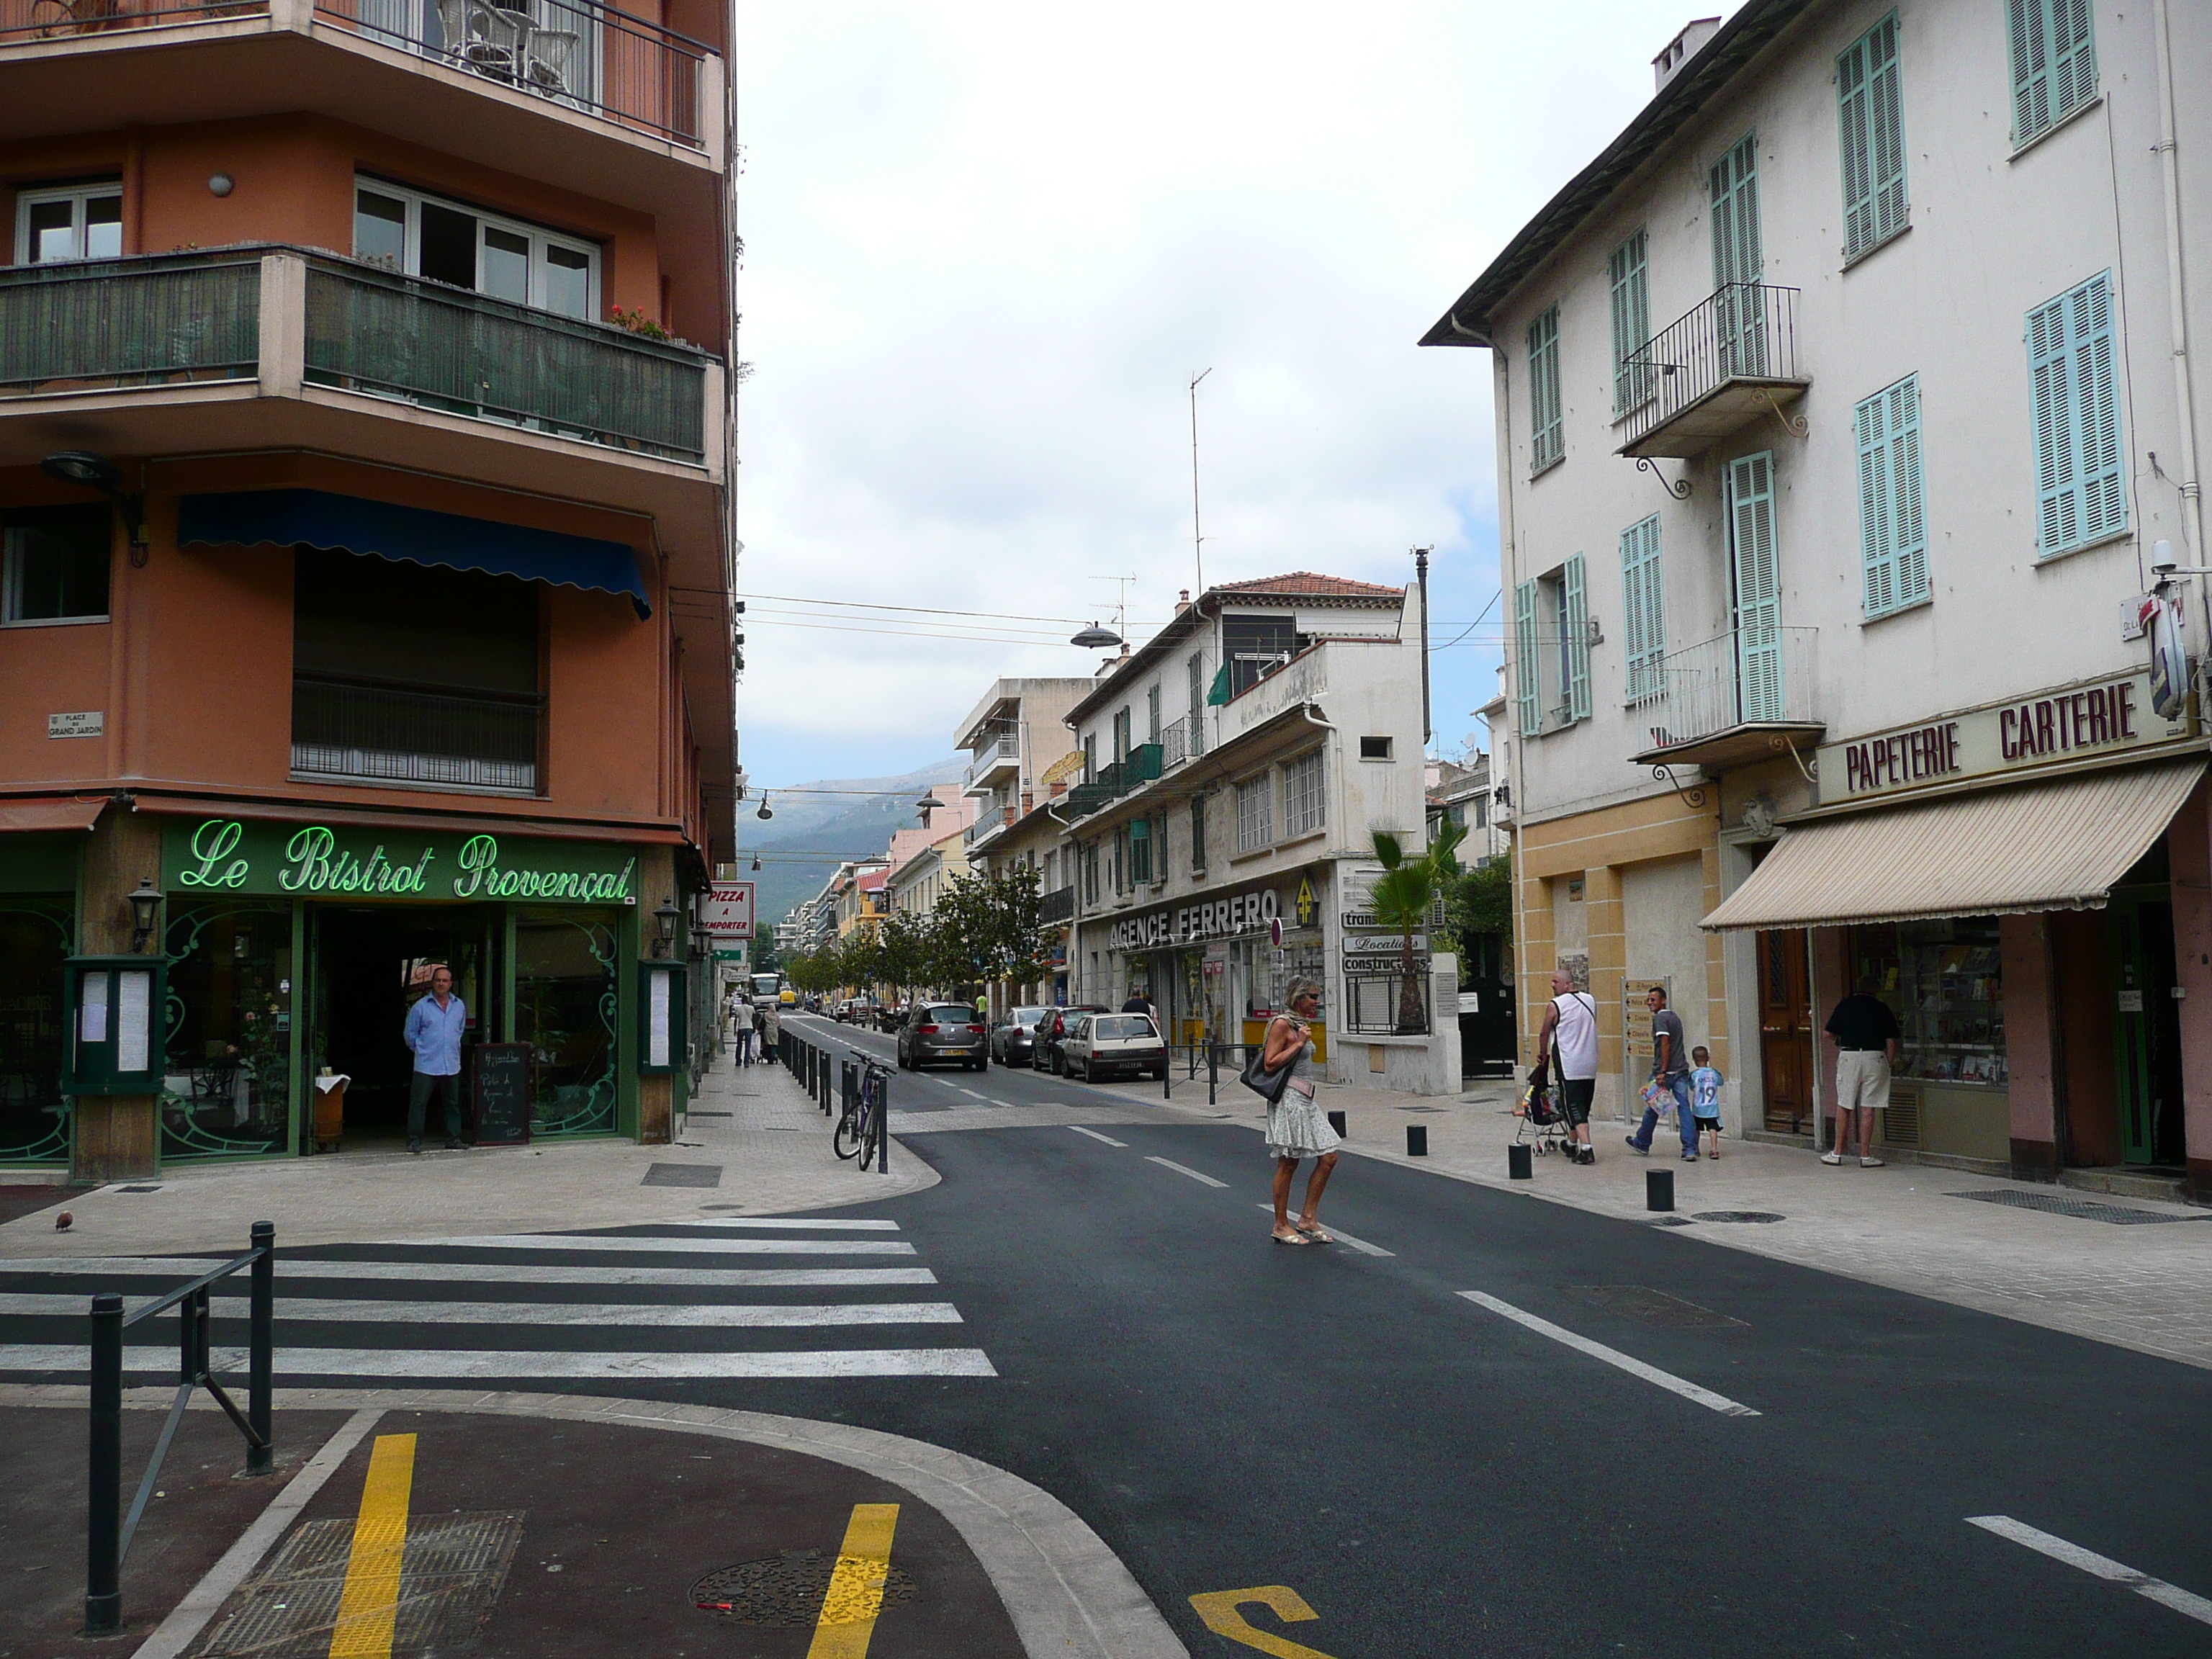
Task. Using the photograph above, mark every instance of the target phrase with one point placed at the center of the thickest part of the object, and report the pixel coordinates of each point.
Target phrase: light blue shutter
(1738, 261)
(1576, 610)
(1871, 119)
(2054, 63)
(2080, 485)
(1630, 287)
(1911, 557)
(1871, 420)
(2057, 494)
(1758, 588)
(1546, 440)
(1893, 529)
(1526, 675)
(1643, 607)
(2089, 333)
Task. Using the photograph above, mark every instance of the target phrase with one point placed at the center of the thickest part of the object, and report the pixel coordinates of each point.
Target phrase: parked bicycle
(860, 1126)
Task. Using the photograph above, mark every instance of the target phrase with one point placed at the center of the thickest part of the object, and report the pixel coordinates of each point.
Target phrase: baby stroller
(1543, 1123)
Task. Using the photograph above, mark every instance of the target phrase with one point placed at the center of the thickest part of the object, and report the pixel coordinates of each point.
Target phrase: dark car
(1014, 1039)
(1052, 1030)
(935, 1032)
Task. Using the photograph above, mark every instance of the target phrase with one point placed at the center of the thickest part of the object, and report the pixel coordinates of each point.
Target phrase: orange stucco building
(365, 565)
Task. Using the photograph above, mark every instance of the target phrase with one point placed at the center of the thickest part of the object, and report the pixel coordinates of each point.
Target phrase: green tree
(1479, 907)
(987, 928)
(1405, 895)
(902, 953)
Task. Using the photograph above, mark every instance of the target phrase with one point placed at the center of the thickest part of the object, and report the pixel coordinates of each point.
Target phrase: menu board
(499, 1093)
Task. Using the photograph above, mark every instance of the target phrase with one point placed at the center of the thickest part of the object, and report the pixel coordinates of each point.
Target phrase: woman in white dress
(1296, 1127)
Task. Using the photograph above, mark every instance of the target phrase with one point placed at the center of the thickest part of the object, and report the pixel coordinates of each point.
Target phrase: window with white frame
(1255, 825)
(448, 242)
(1303, 808)
(69, 222)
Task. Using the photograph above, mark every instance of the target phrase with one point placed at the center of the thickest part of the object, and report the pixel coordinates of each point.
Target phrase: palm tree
(1405, 895)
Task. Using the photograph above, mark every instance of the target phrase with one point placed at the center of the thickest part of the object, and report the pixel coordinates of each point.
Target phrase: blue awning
(350, 523)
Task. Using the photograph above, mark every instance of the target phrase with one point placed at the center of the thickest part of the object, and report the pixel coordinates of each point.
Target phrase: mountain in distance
(810, 835)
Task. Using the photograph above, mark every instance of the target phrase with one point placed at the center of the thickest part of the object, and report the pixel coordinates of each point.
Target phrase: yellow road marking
(856, 1588)
(1218, 1608)
(370, 1605)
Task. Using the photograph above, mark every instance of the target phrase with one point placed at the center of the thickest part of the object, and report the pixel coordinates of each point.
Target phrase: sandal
(1313, 1234)
(1292, 1238)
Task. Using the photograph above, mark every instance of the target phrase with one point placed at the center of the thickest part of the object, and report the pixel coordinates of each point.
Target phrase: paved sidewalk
(2139, 1285)
(756, 1126)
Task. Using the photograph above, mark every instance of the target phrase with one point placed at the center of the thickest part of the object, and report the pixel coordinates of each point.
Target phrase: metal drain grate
(452, 1573)
(1736, 1215)
(137, 1189)
(1649, 1307)
(683, 1175)
(2088, 1209)
(784, 1591)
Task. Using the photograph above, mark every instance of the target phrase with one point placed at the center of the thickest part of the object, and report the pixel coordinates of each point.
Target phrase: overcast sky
(987, 246)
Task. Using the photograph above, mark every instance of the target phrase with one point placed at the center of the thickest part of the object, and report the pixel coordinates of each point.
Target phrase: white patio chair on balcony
(551, 66)
(488, 39)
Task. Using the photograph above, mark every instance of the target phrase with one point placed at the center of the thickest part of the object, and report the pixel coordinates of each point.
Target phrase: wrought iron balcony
(175, 320)
(1730, 359)
(1175, 748)
(376, 731)
(1744, 696)
(1056, 906)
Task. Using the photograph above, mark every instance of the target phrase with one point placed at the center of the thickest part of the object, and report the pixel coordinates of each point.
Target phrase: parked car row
(1087, 1041)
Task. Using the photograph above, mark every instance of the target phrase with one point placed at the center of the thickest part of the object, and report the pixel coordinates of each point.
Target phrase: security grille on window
(1254, 817)
(507, 259)
(1375, 748)
(75, 221)
(1303, 808)
(55, 568)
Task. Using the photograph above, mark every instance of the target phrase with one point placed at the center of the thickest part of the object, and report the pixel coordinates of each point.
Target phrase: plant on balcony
(638, 322)
(1404, 896)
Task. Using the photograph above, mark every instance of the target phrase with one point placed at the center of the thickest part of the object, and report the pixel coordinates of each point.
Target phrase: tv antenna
(1197, 541)
(1095, 636)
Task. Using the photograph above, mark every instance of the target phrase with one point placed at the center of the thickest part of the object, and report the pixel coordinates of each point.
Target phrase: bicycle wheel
(851, 1133)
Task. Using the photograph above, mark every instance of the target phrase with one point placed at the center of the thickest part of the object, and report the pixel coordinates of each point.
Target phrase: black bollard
(103, 1591)
(1336, 1122)
(1417, 1140)
(1658, 1190)
(261, 1348)
(1519, 1164)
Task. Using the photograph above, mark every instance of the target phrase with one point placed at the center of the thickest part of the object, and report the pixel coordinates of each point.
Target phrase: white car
(1103, 1044)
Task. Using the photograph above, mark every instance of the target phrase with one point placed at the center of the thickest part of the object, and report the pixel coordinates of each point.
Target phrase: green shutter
(2104, 484)
(1643, 608)
(1629, 281)
(1871, 119)
(2054, 63)
(2079, 485)
(1219, 694)
(1527, 677)
(1738, 260)
(1892, 530)
(1575, 612)
(1546, 433)
(1758, 588)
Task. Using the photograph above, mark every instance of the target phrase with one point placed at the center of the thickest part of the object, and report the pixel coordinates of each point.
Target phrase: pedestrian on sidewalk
(1705, 1097)
(1138, 1003)
(771, 1031)
(435, 1025)
(1865, 1035)
(1670, 1070)
(1296, 1127)
(742, 1008)
(1569, 1033)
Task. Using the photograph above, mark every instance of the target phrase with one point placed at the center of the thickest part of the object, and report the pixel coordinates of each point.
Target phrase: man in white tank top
(1570, 1034)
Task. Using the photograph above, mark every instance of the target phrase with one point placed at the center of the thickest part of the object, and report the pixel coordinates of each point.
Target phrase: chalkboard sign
(499, 1093)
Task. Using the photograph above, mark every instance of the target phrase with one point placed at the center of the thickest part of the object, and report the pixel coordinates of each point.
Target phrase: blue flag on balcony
(351, 524)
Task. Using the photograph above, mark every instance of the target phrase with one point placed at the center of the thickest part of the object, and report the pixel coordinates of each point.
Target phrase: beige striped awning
(2055, 846)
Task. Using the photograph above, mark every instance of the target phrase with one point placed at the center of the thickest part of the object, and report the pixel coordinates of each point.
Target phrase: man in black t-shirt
(1865, 1035)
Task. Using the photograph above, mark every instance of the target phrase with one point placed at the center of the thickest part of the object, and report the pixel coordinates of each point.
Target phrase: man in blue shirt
(434, 1028)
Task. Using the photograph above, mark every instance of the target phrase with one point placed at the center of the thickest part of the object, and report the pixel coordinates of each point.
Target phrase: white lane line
(1170, 1164)
(1095, 1135)
(2166, 1594)
(293, 1270)
(1341, 1236)
(972, 1095)
(176, 1633)
(785, 1224)
(1666, 1380)
(426, 1363)
(660, 1246)
(694, 1315)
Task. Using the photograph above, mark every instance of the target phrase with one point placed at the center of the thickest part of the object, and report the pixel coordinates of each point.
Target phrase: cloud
(988, 244)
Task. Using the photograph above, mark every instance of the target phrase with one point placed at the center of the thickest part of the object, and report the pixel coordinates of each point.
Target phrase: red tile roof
(873, 881)
(1307, 582)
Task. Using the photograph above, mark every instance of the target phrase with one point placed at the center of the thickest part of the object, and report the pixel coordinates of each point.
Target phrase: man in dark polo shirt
(1865, 1035)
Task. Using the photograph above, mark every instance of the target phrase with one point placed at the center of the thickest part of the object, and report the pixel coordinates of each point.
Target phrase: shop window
(72, 222)
(1304, 801)
(55, 565)
(226, 1078)
(408, 674)
(1255, 815)
(34, 941)
(507, 259)
(566, 1004)
(1943, 981)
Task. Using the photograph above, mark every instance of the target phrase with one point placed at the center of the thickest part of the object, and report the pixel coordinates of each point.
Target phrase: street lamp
(97, 473)
(666, 915)
(145, 908)
(763, 812)
(1095, 638)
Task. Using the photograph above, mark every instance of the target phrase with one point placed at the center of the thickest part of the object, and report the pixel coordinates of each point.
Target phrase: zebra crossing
(715, 1298)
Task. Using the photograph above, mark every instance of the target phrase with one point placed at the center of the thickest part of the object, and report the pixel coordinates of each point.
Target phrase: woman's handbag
(1268, 1086)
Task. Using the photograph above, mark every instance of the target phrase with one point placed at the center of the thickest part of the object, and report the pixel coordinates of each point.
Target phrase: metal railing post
(261, 1350)
(884, 1131)
(103, 1573)
(1213, 1067)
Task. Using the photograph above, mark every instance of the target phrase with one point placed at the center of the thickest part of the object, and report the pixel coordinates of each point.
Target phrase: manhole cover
(683, 1175)
(1737, 1215)
(2087, 1209)
(1649, 1307)
(784, 1591)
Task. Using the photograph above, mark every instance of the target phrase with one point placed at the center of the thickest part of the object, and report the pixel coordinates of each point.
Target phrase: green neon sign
(313, 860)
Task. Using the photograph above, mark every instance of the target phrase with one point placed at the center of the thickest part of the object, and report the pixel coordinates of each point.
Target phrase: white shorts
(1862, 1080)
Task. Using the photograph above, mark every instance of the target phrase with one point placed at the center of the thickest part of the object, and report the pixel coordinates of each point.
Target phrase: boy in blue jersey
(1705, 1099)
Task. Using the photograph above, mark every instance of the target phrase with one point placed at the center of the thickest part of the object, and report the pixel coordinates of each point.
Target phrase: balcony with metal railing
(1727, 361)
(1744, 696)
(1175, 747)
(1057, 906)
(996, 761)
(989, 821)
(168, 345)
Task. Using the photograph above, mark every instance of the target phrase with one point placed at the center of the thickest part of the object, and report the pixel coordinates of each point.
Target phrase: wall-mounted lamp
(97, 473)
(145, 911)
(665, 917)
(221, 184)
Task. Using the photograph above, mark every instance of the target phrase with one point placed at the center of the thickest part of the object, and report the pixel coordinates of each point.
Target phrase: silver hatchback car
(936, 1032)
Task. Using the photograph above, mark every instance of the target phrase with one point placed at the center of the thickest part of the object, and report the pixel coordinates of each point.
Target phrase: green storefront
(292, 952)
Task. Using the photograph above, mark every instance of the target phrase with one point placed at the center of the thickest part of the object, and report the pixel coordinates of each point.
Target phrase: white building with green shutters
(1844, 403)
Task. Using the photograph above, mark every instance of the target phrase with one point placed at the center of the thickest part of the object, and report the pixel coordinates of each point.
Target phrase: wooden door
(1785, 1032)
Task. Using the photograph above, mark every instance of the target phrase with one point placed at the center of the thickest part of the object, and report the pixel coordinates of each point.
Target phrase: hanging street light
(1095, 638)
